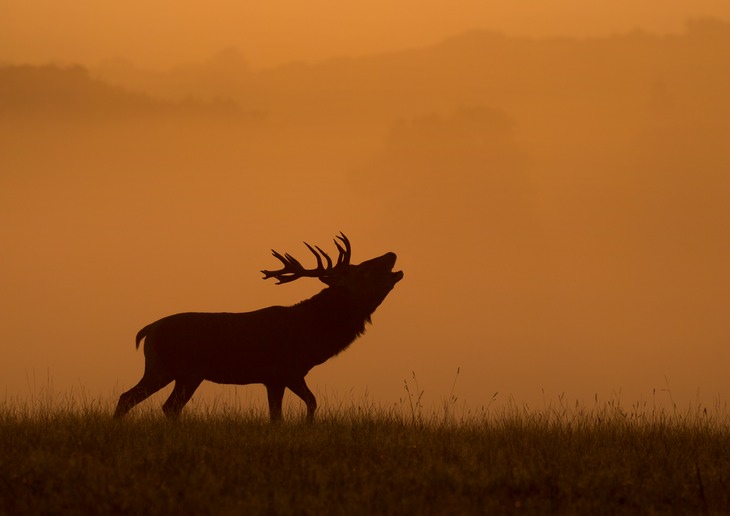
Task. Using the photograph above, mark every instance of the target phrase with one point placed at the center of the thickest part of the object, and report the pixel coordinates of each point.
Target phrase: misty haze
(560, 207)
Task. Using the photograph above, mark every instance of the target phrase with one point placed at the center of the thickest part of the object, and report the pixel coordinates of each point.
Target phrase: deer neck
(334, 317)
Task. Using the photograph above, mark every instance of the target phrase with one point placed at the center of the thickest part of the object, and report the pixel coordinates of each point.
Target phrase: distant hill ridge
(530, 79)
(478, 67)
(55, 90)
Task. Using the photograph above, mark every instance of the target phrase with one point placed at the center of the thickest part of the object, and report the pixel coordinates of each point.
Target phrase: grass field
(559, 460)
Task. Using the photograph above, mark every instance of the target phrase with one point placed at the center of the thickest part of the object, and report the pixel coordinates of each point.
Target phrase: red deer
(276, 346)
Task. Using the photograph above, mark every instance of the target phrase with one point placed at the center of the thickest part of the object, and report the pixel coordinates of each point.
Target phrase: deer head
(369, 281)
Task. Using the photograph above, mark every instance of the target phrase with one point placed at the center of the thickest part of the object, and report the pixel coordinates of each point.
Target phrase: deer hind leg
(147, 386)
(299, 387)
(275, 394)
(181, 394)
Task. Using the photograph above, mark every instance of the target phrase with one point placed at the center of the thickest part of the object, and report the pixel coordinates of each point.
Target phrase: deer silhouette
(276, 346)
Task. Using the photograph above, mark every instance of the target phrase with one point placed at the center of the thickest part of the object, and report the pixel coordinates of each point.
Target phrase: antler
(293, 270)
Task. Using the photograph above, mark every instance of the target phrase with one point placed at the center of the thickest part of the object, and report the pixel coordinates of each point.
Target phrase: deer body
(276, 346)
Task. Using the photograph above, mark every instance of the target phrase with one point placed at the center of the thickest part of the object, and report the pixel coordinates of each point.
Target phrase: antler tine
(293, 261)
(326, 257)
(269, 274)
(345, 253)
(286, 279)
(316, 254)
(278, 256)
(289, 272)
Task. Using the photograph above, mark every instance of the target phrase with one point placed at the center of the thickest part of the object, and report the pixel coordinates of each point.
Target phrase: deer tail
(142, 334)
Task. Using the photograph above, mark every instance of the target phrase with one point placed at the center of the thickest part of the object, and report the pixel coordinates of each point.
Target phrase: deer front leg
(299, 387)
(275, 393)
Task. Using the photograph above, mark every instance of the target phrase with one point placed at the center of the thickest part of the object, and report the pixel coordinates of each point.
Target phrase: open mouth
(398, 275)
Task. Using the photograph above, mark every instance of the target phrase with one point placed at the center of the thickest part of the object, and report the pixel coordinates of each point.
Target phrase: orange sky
(153, 33)
(559, 208)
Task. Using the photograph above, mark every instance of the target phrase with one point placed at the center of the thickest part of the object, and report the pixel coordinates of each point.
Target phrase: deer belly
(255, 370)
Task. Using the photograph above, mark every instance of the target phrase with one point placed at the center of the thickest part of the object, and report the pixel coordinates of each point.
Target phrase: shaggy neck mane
(336, 319)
